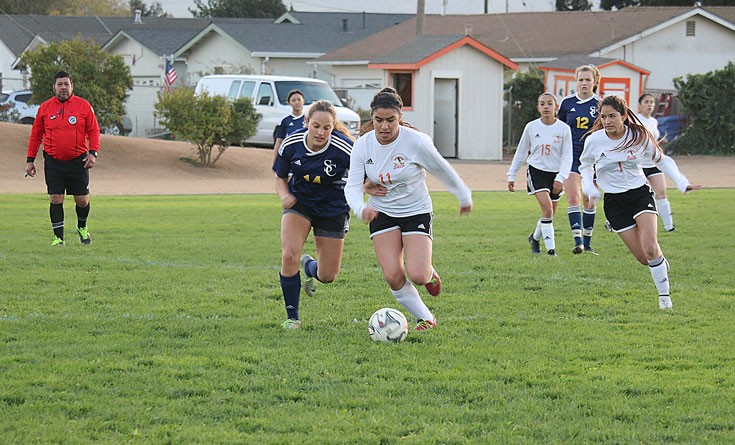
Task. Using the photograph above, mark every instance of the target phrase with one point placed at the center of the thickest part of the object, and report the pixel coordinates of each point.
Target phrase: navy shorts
(540, 181)
(621, 209)
(576, 154)
(408, 225)
(324, 226)
(66, 177)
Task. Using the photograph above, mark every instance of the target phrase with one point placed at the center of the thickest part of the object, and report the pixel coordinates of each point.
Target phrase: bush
(706, 101)
(207, 121)
(526, 88)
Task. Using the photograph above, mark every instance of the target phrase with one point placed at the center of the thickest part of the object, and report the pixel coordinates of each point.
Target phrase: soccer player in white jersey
(579, 111)
(400, 215)
(546, 145)
(611, 160)
(310, 168)
(656, 178)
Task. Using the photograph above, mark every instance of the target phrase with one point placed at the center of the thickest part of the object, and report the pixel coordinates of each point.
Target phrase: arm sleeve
(355, 177)
(282, 163)
(586, 169)
(430, 158)
(522, 151)
(668, 166)
(281, 129)
(93, 131)
(37, 132)
(566, 156)
(562, 113)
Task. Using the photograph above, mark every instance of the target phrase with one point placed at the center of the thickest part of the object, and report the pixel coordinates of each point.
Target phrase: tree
(89, 8)
(238, 8)
(706, 99)
(206, 121)
(155, 10)
(99, 77)
(38, 7)
(522, 99)
(573, 5)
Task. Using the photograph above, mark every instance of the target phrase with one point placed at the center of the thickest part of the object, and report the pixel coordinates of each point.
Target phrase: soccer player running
(613, 152)
(546, 144)
(656, 178)
(68, 128)
(310, 169)
(400, 215)
(293, 121)
(579, 111)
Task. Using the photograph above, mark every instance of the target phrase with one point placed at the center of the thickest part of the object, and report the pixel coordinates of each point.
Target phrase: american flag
(169, 77)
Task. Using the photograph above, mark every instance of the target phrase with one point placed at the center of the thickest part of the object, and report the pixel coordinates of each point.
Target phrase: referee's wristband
(93, 153)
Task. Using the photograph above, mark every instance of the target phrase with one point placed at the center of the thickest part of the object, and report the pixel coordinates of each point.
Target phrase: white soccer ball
(388, 326)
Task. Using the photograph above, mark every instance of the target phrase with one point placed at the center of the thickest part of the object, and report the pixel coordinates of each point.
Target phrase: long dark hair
(638, 132)
(387, 98)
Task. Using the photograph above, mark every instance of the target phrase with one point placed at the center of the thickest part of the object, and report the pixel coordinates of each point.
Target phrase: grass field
(167, 330)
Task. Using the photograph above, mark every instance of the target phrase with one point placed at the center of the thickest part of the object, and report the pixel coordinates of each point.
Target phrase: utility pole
(420, 7)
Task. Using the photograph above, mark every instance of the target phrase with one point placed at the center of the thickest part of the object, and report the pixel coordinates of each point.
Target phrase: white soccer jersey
(546, 147)
(401, 167)
(618, 170)
(652, 125)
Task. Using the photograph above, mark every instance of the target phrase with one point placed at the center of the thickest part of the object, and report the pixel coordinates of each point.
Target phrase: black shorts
(409, 225)
(652, 171)
(66, 177)
(621, 209)
(540, 181)
(324, 226)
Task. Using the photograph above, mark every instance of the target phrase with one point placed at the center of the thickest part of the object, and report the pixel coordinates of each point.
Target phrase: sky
(179, 8)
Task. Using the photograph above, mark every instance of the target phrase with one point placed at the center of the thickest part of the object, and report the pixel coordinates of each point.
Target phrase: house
(452, 89)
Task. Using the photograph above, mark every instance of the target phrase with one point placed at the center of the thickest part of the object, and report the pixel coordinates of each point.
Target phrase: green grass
(167, 330)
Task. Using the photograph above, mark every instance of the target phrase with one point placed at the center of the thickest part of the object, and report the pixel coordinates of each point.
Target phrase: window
(691, 28)
(234, 88)
(265, 95)
(23, 98)
(247, 89)
(403, 83)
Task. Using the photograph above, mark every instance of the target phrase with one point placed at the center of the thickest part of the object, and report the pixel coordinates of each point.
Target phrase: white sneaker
(664, 302)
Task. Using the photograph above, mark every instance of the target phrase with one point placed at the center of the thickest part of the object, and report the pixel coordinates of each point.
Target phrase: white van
(269, 94)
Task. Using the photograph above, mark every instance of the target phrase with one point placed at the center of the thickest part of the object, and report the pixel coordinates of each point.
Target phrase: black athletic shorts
(539, 181)
(652, 171)
(408, 225)
(621, 209)
(66, 177)
(324, 226)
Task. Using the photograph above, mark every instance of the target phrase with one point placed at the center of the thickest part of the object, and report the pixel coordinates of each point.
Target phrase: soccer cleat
(84, 235)
(57, 241)
(424, 325)
(672, 229)
(591, 250)
(664, 302)
(551, 252)
(309, 282)
(291, 324)
(434, 286)
(535, 246)
(608, 227)
(579, 248)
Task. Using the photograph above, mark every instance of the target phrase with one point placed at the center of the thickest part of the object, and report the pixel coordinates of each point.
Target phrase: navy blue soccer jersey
(579, 115)
(288, 125)
(317, 178)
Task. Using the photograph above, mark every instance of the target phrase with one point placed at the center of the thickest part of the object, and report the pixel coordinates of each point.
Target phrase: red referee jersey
(67, 129)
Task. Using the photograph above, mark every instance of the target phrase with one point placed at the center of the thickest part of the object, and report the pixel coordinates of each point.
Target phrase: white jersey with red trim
(401, 167)
(651, 125)
(545, 147)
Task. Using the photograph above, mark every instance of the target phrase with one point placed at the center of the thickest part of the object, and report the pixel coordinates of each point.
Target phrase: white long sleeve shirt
(620, 170)
(401, 167)
(652, 125)
(545, 147)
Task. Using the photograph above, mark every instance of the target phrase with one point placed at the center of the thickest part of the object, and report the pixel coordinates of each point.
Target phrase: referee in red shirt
(68, 129)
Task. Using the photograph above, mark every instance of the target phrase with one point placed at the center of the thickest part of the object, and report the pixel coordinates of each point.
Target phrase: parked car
(19, 100)
(269, 95)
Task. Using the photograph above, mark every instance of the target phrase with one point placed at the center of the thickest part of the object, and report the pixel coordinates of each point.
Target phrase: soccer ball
(388, 326)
